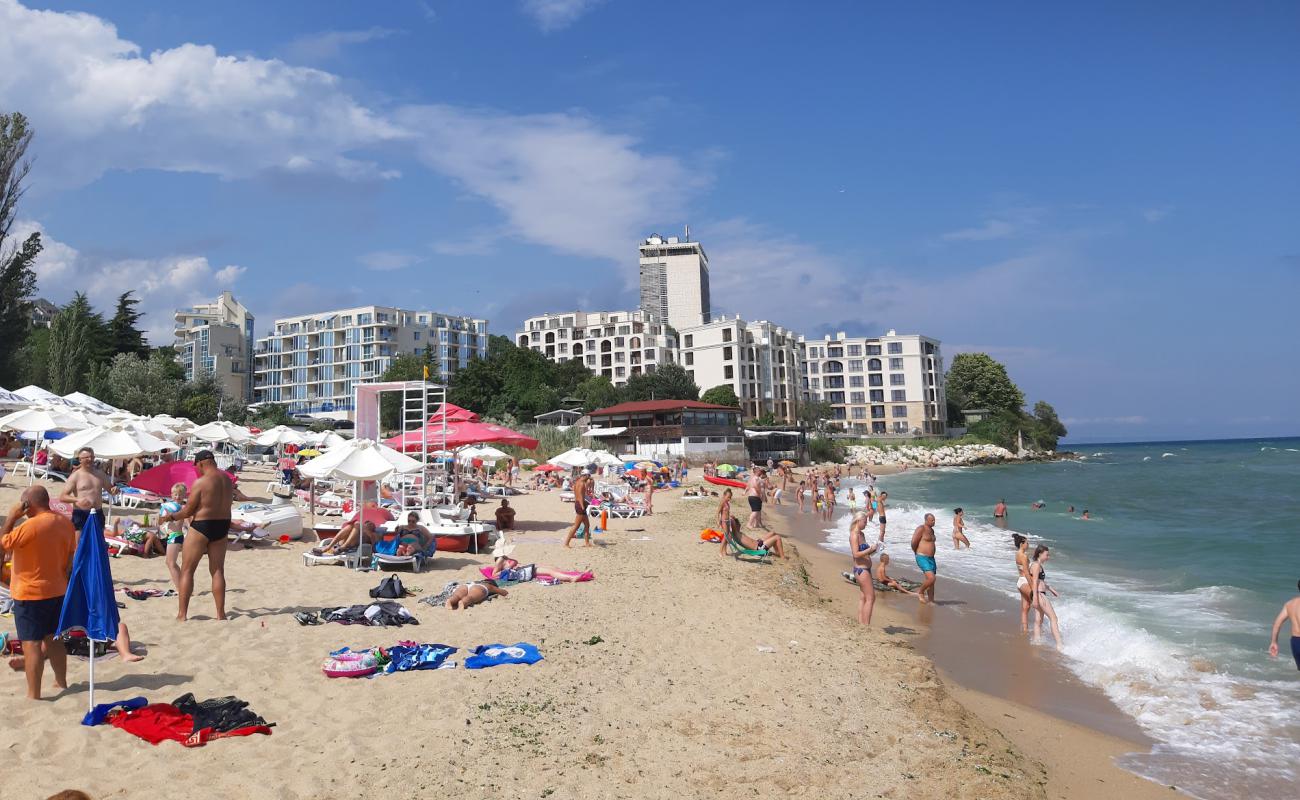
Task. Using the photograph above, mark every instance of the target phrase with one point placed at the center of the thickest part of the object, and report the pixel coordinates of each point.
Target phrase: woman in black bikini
(1039, 589)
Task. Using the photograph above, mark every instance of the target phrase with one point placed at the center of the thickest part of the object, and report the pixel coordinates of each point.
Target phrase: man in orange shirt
(42, 549)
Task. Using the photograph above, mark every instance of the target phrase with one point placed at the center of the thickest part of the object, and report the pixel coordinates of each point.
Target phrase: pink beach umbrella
(161, 478)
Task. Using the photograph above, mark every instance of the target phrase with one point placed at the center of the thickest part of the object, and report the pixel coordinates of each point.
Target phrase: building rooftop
(643, 406)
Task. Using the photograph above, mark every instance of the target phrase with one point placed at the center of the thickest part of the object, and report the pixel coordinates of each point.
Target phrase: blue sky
(1104, 197)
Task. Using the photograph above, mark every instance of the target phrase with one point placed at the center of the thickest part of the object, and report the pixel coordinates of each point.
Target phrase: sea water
(1168, 593)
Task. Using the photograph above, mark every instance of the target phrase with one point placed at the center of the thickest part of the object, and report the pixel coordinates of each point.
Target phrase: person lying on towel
(473, 593)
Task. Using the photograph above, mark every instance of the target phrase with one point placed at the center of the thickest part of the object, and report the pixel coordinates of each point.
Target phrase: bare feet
(130, 658)
(17, 664)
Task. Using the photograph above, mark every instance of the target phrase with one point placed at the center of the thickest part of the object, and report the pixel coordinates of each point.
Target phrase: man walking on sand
(209, 505)
(923, 549)
(581, 493)
(1290, 613)
(754, 494)
(84, 488)
(42, 548)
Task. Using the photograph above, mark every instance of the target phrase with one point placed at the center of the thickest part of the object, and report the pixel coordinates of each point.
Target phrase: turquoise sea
(1167, 594)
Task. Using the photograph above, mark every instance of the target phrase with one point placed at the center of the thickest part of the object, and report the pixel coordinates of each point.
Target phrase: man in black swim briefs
(209, 506)
(1290, 613)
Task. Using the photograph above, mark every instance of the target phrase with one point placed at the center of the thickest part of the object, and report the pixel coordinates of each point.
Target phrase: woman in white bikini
(473, 593)
(1022, 582)
(1039, 588)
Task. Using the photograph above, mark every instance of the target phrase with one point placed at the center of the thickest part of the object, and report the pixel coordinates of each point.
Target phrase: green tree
(123, 334)
(144, 386)
(596, 392)
(1000, 428)
(721, 395)
(205, 397)
(1047, 428)
(568, 376)
(268, 415)
(174, 368)
(476, 385)
(71, 351)
(17, 278)
(813, 414)
(34, 359)
(977, 381)
(673, 382)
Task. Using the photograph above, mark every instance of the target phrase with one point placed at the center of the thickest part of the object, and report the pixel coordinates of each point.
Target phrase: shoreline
(1051, 716)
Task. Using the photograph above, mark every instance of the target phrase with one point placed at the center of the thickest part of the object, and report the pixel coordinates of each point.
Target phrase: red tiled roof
(644, 406)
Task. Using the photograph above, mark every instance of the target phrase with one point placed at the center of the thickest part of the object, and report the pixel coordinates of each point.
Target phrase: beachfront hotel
(616, 344)
(310, 363)
(884, 385)
(760, 361)
(675, 281)
(217, 338)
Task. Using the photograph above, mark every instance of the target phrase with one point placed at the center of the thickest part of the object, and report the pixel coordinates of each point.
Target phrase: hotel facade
(675, 281)
(760, 361)
(885, 385)
(217, 339)
(310, 363)
(616, 344)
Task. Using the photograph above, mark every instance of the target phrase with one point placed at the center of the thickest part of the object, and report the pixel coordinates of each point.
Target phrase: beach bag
(389, 588)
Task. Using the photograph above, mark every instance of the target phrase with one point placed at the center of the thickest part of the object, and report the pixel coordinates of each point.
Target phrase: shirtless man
(1000, 514)
(209, 506)
(828, 501)
(881, 509)
(1290, 613)
(923, 549)
(754, 494)
(85, 487)
(959, 529)
(862, 552)
(581, 492)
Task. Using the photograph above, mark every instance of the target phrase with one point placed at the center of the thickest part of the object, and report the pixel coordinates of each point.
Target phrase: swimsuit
(926, 563)
(1295, 650)
(755, 504)
(1021, 581)
(214, 529)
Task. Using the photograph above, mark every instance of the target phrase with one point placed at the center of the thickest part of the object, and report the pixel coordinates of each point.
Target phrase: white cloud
(98, 104)
(324, 45)
(992, 229)
(161, 284)
(554, 15)
(1157, 214)
(559, 179)
(480, 242)
(384, 260)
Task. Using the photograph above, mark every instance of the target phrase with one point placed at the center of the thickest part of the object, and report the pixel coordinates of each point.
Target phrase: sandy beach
(675, 672)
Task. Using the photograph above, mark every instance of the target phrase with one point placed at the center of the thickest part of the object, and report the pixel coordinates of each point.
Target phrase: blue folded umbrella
(89, 603)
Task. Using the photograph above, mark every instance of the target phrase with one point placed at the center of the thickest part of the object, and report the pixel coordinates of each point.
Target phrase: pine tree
(17, 280)
(123, 334)
(70, 352)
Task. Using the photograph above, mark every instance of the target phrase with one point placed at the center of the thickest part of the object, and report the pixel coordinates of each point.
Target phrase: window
(898, 395)
(875, 380)
(727, 372)
(816, 383)
(897, 379)
(877, 412)
(833, 366)
(835, 352)
(835, 397)
(900, 412)
(690, 359)
(877, 395)
(726, 334)
(857, 397)
(855, 350)
(726, 354)
(874, 364)
(857, 381)
(813, 368)
(895, 348)
(895, 363)
(873, 349)
(834, 382)
(859, 413)
(855, 365)
(417, 335)
(690, 340)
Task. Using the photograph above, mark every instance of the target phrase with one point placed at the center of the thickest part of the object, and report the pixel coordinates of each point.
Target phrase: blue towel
(492, 655)
(420, 656)
(99, 713)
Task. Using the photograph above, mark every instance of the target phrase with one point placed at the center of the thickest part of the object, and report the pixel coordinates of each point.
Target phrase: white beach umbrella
(577, 457)
(280, 435)
(115, 441)
(359, 460)
(220, 432)
(604, 458)
(38, 395)
(484, 452)
(10, 400)
(329, 440)
(41, 418)
(83, 400)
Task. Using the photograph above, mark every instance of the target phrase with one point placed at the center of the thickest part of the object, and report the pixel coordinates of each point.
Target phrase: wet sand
(975, 642)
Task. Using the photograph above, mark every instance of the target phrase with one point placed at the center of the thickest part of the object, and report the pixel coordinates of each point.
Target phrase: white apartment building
(891, 384)
(310, 363)
(217, 338)
(760, 361)
(616, 344)
(675, 281)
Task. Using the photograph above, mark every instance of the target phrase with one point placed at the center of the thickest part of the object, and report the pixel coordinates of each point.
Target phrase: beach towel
(494, 655)
(408, 656)
(444, 594)
(188, 721)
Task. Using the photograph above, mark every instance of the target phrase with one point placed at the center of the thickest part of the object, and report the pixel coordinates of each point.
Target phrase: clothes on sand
(385, 613)
(494, 655)
(189, 721)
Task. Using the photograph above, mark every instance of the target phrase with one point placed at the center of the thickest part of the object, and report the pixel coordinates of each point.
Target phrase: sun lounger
(737, 549)
(310, 559)
(416, 562)
(616, 510)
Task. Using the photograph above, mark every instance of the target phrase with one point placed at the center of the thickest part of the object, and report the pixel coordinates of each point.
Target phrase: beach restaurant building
(670, 428)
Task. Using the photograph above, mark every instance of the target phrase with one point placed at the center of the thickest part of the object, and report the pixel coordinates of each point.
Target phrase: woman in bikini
(473, 593)
(959, 529)
(724, 515)
(1022, 582)
(1040, 589)
(412, 537)
(772, 541)
(861, 552)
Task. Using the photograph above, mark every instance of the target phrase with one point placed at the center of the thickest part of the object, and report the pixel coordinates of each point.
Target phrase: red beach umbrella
(161, 478)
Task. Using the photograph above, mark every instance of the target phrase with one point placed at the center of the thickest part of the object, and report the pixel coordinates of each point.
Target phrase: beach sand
(656, 682)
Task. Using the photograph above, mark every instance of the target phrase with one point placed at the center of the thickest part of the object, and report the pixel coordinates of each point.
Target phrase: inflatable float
(735, 484)
(710, 535)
